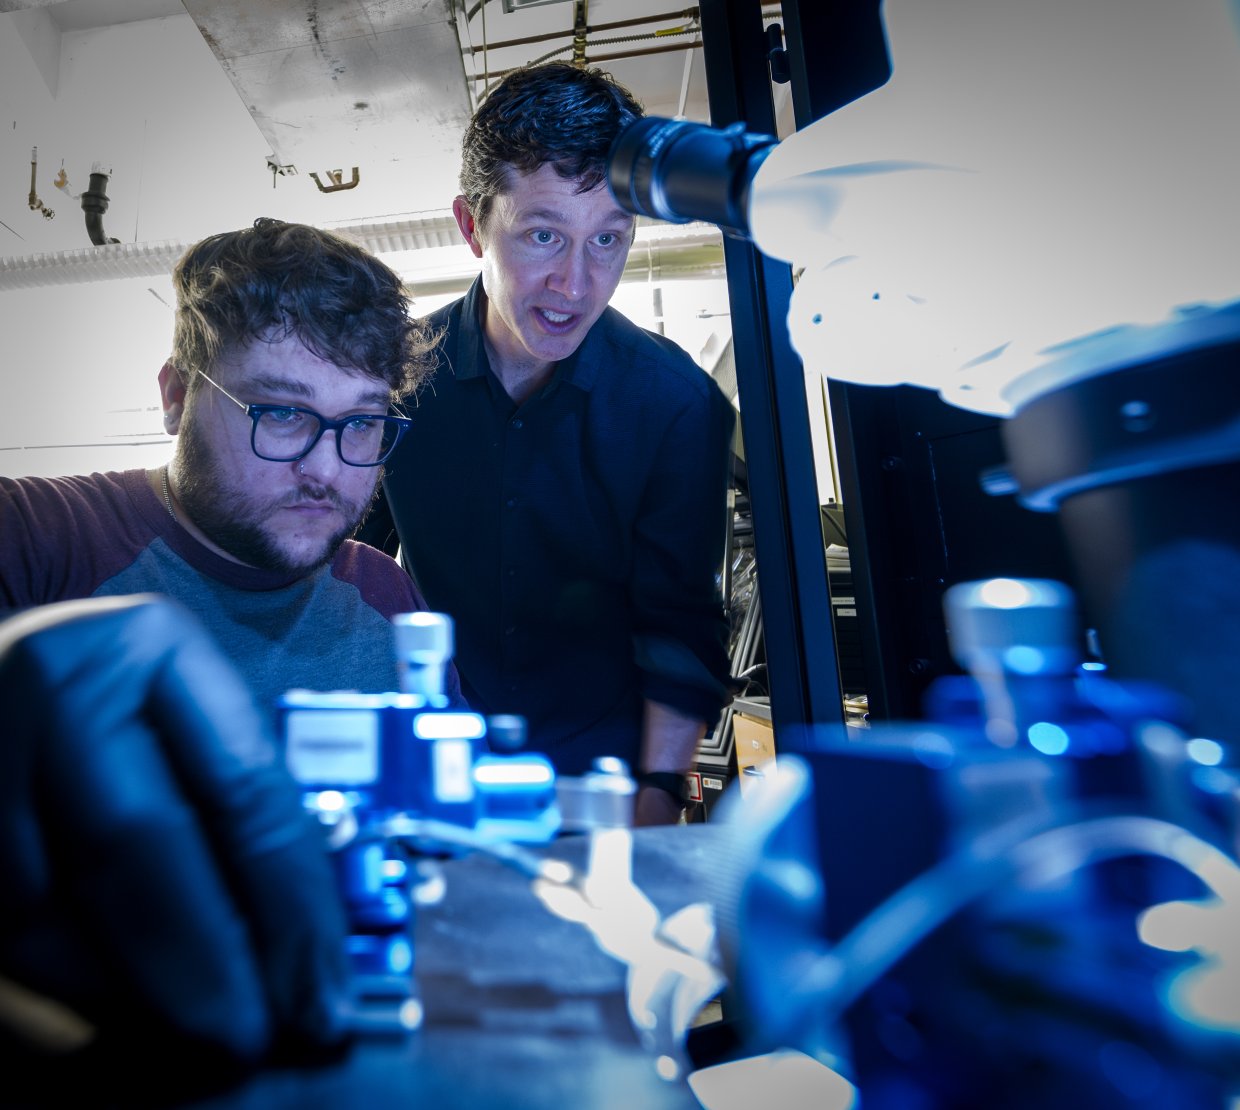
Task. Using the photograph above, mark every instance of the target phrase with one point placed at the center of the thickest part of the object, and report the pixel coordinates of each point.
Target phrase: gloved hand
(160, 878)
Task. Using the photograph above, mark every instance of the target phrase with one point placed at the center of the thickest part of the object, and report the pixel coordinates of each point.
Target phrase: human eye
(542, 237)
(363, 425)
(284, 420)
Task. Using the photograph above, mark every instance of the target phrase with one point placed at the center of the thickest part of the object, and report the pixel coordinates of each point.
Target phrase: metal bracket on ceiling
(279, 170)
(338, 183)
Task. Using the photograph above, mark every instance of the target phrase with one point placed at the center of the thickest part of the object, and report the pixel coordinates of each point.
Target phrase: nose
(570, 277)
(323, 463)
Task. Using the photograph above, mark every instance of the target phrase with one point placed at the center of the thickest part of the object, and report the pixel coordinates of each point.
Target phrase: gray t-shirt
(108, 534)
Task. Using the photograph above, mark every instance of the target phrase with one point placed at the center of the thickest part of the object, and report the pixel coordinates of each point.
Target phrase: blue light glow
(513, 772)
(1048, 738)
(1209, 753)
(399, 956)
(330, 801)
(1023, 659)
(449, 726)
(1005, 593)
(394, 870)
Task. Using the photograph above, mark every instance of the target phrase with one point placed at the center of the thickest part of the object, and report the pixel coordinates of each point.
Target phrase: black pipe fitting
(95, 204)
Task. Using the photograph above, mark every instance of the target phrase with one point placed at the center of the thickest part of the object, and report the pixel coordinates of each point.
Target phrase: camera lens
(679, 171)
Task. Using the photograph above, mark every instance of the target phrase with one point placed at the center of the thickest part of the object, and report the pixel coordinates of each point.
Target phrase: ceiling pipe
(95, 204)
(637, 21)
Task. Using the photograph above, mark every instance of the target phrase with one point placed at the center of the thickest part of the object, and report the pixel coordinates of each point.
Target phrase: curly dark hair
(556, 113)
(276, 279)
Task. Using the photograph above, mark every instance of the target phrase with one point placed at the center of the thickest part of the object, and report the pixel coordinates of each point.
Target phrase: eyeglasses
(286, 433)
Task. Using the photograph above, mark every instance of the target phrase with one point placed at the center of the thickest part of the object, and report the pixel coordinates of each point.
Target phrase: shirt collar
(580, 369)
(470, 354)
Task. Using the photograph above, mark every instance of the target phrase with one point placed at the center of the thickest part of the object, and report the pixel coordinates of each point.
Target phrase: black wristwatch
(668, 781)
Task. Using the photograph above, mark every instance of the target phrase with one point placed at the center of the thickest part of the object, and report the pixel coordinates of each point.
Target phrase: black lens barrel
(679, 171)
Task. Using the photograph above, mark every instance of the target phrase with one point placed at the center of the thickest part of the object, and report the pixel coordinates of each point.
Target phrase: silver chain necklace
(167, 493)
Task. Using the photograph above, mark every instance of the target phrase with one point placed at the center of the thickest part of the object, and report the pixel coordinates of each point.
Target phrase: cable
(881, 939)
(408, 831)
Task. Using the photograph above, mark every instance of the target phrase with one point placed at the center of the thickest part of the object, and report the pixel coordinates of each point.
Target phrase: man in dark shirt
(562, 494)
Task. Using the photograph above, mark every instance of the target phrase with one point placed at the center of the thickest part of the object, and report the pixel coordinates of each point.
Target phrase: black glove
(160, 877)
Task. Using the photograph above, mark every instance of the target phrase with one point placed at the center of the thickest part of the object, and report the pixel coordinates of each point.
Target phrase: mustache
(309, 493)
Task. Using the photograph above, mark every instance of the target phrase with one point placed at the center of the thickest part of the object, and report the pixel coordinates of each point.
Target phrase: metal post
(792, 570)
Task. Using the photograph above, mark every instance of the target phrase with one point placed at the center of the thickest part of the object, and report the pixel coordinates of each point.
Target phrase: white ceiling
(191, 105)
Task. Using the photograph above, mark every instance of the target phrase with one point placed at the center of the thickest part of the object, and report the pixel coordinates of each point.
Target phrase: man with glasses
(162, 880)
(290, 346)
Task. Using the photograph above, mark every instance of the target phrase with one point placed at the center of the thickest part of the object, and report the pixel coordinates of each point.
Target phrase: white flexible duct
(380, 236)
(127, 260)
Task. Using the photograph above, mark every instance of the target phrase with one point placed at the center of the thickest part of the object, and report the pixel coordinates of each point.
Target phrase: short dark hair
(555, 113)
(277, 279)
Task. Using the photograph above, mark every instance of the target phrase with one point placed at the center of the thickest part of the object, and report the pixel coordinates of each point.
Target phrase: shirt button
(510, 630)
(518, 423)
(511, 502)
(511, 572)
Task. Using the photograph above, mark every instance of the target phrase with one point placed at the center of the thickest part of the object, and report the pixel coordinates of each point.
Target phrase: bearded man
(290, 346)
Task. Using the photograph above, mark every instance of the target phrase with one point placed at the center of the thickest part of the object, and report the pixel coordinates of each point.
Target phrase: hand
(161, 880)
(655, 806)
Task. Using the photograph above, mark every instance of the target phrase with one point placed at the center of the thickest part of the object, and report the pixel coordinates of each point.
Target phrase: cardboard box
(755, 747)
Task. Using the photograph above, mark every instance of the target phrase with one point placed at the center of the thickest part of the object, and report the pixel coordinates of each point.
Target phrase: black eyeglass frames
(286, 433)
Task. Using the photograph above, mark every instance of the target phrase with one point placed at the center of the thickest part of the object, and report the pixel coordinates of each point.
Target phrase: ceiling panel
(372, 84)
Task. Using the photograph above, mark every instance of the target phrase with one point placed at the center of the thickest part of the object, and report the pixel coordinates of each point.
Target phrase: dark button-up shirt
(575, 539)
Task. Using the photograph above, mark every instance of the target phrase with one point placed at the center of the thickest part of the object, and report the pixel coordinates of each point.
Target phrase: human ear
(172, 394)
(468, 225)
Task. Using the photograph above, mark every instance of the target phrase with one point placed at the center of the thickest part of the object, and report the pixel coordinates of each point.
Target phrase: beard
(238, 521)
